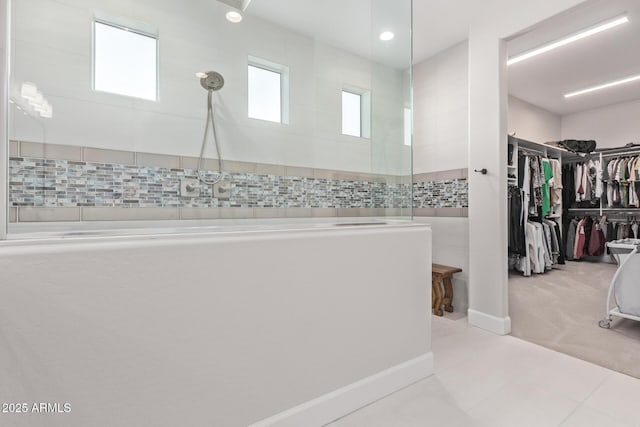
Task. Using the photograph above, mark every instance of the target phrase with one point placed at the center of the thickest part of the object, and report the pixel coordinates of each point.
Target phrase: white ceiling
(439, 24)
(604, 57)
(354, 25)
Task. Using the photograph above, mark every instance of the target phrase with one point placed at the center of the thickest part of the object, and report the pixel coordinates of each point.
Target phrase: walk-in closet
(573, 159)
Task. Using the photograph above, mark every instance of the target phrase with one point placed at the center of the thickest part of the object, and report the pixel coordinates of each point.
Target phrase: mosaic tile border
(38, 150)
(64, 183)
(50, 187)
(441, 194)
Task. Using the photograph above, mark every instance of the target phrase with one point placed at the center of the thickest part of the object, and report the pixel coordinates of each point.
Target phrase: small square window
(265, 94)
(356, 112)
(125, 62)
(351, 114)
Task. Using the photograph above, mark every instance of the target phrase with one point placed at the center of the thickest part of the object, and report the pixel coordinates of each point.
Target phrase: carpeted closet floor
(561, 309)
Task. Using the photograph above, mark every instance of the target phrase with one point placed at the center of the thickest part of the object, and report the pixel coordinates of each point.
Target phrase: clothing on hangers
(547, 176)
(516, 222)
(539, 194)
(556, 184)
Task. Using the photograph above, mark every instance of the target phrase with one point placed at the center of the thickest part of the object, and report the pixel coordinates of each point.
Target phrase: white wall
(611, 126)
(533, 123)
(99, 325)
(441, 122)
(441, 111)
(494, 21)
(52, 47)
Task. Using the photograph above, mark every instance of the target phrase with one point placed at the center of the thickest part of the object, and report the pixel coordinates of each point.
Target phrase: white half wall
(441, 111)
(533, 123)
(220, 329)
(612, 126)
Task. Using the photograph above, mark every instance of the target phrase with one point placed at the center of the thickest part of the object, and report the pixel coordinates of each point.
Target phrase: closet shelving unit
(538, 149)
(603, 155)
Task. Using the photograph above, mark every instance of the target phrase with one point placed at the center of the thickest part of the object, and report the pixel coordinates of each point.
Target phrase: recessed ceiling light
(385, 36)
(565, 41)
(233, 16)
(603, 86)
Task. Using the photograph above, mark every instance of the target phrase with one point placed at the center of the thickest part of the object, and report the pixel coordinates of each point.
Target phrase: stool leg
(437, 305)
(433, 294)
(448, 295)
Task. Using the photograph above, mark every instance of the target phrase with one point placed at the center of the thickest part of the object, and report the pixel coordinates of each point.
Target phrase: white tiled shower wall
(440, 91)
(198, 38)
(440, 147)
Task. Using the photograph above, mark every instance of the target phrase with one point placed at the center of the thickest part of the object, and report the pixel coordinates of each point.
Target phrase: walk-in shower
(104, 296)
(125, 141)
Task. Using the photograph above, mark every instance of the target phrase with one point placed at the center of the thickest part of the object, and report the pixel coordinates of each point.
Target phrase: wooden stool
(442, 274)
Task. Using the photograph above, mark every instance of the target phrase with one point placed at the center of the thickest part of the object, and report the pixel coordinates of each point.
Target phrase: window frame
(283, 71)
(131, 27)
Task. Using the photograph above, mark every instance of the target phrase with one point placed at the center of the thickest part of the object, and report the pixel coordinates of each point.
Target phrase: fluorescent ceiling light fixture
(567, 40)
(233, 16)
(386, 36)
(603, 86)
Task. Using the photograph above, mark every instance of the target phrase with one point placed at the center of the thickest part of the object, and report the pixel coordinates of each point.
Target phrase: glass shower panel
(166, 128)
(391, 101)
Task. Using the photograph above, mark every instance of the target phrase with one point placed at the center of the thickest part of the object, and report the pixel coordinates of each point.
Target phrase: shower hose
(210, 120)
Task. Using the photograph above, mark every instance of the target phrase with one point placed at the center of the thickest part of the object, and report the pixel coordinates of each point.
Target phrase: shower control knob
(190, 187)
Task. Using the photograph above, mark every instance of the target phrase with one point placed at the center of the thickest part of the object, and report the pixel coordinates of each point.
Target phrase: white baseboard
(337, 404)
(497, 325)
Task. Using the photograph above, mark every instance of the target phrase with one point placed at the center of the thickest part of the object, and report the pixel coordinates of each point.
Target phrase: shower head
(211, 80)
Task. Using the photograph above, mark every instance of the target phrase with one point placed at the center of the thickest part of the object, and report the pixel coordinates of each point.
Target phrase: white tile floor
(482, 379)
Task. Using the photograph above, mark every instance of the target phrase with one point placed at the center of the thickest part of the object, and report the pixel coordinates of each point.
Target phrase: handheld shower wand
(211, 81)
